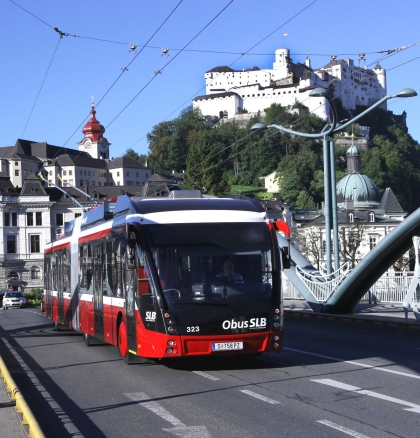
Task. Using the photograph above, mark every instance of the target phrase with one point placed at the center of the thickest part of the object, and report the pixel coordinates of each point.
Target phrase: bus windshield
(203, 268)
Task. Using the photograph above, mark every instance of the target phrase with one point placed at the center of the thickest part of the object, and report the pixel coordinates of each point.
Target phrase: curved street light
(330, 202)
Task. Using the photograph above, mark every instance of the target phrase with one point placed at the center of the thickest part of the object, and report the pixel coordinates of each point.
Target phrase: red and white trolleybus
(147, 275)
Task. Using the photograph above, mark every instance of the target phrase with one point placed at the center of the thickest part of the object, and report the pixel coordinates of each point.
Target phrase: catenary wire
(40, 88)
(237, 59)
(109, 89)
(170, 61)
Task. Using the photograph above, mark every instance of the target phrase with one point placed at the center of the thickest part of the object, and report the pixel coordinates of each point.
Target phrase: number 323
(193, 329)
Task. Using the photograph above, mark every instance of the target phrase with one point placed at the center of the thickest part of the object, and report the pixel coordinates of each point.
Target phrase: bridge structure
(340, 291)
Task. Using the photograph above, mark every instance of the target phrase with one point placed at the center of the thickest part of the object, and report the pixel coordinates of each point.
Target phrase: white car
(13, 299)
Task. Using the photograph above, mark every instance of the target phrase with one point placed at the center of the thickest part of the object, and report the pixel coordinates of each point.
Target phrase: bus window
(108, 272)
(118, 277)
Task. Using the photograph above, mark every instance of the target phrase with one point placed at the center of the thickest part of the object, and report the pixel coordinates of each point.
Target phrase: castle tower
(93, 142)
(281, 63)
(381, 75)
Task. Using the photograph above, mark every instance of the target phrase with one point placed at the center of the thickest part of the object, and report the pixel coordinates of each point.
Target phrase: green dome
(358, 188)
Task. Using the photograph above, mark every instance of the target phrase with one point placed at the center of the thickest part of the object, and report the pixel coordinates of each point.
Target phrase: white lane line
(58, 410)
(260, 397)
(207, 376)
(155, 407)
(342, 429)
(412, 407)
(352, 362)
(179, 429)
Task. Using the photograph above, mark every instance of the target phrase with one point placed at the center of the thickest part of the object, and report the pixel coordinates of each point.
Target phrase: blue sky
(47, 82)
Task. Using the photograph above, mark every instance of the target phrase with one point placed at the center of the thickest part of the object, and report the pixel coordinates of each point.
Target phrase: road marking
(352, 362)
(342, 429)
(260, 397)
(208, 376)
(179, 429)
(412, 407)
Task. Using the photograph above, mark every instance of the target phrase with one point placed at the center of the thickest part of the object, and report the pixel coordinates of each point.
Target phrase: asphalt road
(334, 379)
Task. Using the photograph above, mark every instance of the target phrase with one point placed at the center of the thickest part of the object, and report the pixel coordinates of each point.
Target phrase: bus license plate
(227, 346)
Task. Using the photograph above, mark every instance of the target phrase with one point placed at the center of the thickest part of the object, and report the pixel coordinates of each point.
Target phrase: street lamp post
(330, 202)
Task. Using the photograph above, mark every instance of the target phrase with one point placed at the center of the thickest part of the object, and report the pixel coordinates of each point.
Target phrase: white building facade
(229, 92)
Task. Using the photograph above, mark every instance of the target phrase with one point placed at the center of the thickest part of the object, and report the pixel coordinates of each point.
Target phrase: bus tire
(122, 339)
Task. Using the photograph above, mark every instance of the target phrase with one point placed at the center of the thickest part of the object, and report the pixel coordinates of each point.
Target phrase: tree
(204, 169)
(142, 158)
(351, 237)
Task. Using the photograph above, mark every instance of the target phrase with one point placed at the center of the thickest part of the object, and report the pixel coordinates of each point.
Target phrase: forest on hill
(216, 157)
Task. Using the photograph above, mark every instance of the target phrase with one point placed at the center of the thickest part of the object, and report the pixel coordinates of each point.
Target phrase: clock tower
(94, 143)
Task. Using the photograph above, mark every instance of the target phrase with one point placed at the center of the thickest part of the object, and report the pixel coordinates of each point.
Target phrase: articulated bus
(146, 275)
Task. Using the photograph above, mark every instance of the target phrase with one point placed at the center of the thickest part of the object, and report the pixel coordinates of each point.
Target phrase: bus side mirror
(285, 257)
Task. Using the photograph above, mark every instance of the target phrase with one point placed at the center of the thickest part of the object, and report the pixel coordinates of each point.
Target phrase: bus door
(130, 299)
(60, 296)
(98, 304)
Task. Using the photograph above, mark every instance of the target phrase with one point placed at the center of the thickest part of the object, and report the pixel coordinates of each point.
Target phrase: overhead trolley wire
(170, 61)
(40, 88)
(236, 60)
(124, 70)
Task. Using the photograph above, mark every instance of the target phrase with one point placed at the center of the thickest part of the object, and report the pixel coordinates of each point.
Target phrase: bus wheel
(122, 339)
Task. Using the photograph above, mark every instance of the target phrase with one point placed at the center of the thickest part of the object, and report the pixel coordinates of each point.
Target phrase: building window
(35, 243)
(70, 172)
(371, 216)
(29, 219)
(59, 219)
(118, 173)
(93, 173)
(16, 172)
(147, 174)
(137, 174)
(85, 172)
(373, 240)
(50, 173)
(93, 183)
(35, 273)
(81, 182)
(14, 219)
(11, 244)
(38, 218)
(77, 214)
(6, 220)
(87, 183)
(88, 172)
(81, 172)
(127, 173)
(350, 217)
(64, 172)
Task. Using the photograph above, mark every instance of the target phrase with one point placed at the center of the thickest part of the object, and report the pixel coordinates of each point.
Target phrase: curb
(25, 415)
(368, 319)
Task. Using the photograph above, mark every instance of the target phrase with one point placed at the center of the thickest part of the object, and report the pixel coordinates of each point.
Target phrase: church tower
(94, 142)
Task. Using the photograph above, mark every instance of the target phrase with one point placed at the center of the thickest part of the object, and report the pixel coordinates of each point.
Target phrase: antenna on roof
(76, 188)
(61, 190)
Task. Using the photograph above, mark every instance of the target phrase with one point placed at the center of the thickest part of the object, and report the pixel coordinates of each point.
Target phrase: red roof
(93, 129)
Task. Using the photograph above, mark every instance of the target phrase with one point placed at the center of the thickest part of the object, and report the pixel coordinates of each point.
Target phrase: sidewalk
(392, 314)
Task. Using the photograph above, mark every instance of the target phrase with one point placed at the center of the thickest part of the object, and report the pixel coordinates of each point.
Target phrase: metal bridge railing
(323, 285)
(390, 288)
